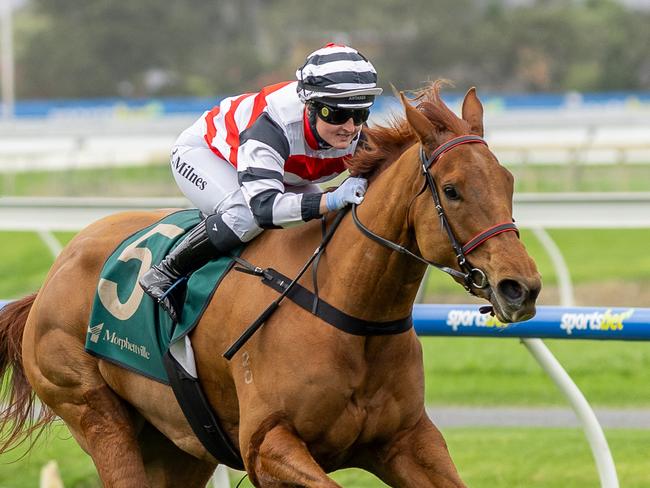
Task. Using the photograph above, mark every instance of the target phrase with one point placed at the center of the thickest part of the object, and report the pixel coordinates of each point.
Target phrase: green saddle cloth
(126, 326)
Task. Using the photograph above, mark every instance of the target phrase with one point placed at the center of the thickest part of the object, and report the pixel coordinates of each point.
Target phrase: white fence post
(546, 359)
(593, 430)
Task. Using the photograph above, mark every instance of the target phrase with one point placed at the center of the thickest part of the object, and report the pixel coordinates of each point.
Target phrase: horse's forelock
(384, 144)
(433, 107)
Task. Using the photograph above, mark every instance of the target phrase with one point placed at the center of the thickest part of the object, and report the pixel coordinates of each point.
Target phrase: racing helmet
(338, 76)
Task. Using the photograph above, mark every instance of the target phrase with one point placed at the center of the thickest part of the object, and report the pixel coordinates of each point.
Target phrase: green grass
(143, 181)
(592, 255)
(77, 469)
(24, 262)
(129, 181)
(597, 254)
(486, 458)
(539, 458)
(486, 371)
(587, 178)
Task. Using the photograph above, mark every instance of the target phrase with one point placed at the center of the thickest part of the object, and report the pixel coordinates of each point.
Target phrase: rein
(285, 289)
(472, 277)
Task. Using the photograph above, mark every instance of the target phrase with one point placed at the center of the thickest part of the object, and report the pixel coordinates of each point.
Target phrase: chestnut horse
(301, 398)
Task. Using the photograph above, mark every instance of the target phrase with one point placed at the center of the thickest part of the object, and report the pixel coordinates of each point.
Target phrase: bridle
(472, 277)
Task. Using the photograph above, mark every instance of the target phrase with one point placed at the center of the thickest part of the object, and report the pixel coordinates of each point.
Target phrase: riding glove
(351, 190)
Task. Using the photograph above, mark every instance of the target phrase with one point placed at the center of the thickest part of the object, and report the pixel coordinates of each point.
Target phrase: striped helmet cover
(338, 75)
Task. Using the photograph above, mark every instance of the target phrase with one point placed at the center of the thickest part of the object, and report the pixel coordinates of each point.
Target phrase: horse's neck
(363, 278)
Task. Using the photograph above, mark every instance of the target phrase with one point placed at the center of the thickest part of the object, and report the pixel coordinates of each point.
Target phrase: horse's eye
(451, 193)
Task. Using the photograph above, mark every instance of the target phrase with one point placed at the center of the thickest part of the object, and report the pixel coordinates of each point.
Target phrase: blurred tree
(134, 48)
(67, 48)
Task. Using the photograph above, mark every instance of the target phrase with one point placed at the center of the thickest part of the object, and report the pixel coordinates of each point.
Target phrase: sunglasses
(339, 116)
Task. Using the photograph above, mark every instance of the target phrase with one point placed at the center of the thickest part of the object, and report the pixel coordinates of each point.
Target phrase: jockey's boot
(194, 251)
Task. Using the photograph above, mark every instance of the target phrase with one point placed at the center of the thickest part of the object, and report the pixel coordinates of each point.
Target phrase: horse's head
(475, 198)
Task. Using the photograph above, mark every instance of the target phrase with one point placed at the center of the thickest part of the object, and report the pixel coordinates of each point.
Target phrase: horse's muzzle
(514, 299)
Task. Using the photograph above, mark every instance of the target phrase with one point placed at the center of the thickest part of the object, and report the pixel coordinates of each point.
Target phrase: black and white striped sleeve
(263, 150)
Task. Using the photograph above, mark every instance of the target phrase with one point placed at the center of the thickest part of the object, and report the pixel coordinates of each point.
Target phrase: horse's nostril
(533, 293)
(512, 290)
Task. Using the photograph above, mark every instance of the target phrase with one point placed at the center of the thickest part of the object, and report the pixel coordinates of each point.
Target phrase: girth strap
(352, 325)
(201, 416)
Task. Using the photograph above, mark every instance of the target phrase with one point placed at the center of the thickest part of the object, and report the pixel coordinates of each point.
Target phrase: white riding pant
(211, 184)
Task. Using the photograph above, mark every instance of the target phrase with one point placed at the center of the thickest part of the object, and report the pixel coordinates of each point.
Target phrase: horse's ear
(473, 112)
(422, 126)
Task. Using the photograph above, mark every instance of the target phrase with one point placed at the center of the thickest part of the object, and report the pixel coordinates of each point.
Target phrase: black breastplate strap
(305, 299)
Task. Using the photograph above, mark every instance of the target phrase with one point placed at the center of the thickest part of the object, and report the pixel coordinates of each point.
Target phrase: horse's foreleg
(279, 458)
(418, 457)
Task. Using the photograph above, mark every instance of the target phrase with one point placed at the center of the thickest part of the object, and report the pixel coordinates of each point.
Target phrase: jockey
(251, 163)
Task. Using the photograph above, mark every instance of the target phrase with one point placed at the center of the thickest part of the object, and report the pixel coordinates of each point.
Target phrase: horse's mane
(383, 144)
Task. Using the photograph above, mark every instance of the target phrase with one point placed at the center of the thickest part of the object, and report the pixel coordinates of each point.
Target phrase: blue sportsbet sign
(627, 324)
(550, 322)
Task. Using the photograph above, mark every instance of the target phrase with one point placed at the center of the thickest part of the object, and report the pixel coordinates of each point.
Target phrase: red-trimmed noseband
(479, 239)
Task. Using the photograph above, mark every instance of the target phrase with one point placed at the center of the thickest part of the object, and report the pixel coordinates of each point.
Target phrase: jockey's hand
(351, 190)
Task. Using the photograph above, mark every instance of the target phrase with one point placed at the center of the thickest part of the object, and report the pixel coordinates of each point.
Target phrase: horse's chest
(340, 400)
(337, 424)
